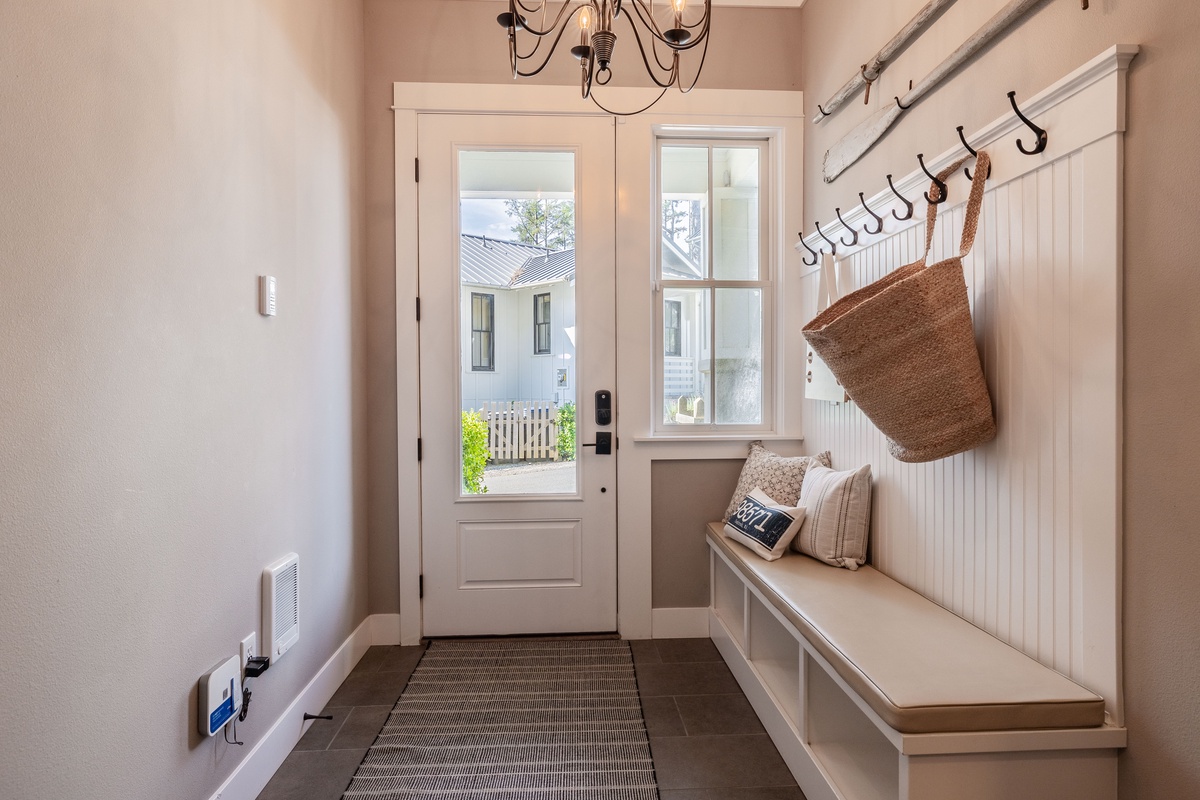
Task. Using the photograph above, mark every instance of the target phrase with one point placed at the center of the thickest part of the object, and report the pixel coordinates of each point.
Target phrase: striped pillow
(839, 515)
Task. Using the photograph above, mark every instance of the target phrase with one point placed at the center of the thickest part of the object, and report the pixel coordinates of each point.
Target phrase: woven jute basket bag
(904, 347)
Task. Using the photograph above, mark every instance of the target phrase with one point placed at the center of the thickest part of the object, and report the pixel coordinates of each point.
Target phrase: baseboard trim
(251, 776)
(679, 623)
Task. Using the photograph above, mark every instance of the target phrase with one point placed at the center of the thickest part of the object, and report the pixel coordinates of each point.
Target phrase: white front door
(517, 338)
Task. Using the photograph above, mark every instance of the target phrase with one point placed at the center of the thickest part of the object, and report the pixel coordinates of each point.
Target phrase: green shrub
(474, 451)
(566, 432)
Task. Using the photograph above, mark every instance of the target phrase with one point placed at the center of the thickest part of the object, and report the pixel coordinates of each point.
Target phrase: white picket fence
(521, 430)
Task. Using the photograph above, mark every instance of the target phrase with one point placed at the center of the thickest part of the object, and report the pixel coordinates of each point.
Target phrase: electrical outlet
(249, 648)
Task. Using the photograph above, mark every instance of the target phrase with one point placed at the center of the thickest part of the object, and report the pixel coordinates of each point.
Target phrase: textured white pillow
(778, 476)
(839, 516)
(763, 525)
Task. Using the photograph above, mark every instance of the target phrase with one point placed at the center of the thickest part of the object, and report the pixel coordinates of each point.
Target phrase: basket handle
(974, 201)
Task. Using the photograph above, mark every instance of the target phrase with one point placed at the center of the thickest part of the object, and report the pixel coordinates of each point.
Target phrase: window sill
(674, 438)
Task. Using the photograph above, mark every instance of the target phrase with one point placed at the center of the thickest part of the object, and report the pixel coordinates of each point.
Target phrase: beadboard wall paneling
(1020, 536)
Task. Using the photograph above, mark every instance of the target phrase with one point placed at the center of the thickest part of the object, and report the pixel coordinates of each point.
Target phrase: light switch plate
(249, 648)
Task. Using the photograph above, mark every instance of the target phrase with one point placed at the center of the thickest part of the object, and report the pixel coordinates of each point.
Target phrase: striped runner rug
(514, 720)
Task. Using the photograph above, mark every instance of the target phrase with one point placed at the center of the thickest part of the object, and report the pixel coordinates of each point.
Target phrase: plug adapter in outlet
(249, 649)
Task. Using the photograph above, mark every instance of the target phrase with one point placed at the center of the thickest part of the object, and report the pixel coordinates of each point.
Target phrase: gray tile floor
(705, 739)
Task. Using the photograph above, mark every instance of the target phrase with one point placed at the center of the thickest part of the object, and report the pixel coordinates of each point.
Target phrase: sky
(486, 218)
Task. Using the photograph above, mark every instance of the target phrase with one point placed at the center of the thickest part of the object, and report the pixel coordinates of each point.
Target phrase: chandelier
(530, 26)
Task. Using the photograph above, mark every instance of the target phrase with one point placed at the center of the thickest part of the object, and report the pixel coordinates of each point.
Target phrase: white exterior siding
(520, 374)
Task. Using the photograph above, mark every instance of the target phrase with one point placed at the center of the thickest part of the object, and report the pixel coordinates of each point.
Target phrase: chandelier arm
(649, 69)
(546, 60)
(558, 21)
(704, 19)
(652, 28)
(699, 69)
(629, 113)
(667, 68)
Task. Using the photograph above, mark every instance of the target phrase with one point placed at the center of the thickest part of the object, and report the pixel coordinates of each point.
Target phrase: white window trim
(769, 273)
(774, 113)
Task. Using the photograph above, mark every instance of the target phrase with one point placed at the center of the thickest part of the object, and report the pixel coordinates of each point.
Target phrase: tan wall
(160, 442)
(460, 42)
(685, 495)
(1162, 373)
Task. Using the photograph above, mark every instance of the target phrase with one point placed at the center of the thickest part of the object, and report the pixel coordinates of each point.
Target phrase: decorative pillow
(778, 476)
(839, 516)
(763, 525)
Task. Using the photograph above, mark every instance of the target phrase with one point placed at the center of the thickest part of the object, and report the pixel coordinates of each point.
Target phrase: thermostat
(266, 295)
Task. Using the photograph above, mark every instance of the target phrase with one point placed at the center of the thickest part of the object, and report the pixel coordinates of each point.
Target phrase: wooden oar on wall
(880, 60)
(854, 144)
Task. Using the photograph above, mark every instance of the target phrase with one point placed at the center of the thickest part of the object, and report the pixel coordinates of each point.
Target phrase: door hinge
(418, 309)
(420, 587)
(418, 448)
(417, 170)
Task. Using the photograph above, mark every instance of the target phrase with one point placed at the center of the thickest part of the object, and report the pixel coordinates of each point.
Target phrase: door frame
(778, 110)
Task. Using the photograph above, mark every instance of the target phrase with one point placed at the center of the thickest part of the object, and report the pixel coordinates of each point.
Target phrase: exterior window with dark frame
(541, 323)
(672, 339)
(483, 345)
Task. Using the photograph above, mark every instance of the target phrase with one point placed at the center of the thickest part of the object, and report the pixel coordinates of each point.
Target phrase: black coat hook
(853, 241)
(943, 194)
(902, 200)
(832, 244)
(878, 219)
(1042, 136)
(816, 254)
(971, 150)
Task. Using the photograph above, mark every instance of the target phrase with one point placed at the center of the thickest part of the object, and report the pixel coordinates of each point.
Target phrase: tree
(681, 223)
(546, 223)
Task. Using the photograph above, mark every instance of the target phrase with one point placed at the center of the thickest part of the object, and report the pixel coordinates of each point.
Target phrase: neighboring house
(517, 322)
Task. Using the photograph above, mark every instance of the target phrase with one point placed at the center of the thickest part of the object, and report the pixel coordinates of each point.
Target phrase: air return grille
(281, 605)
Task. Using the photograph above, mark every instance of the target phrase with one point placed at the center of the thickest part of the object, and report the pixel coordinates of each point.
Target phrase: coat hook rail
(936, 196)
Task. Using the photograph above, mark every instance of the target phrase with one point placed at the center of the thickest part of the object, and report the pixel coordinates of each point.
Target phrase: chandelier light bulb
(679, 6)
(585, 18)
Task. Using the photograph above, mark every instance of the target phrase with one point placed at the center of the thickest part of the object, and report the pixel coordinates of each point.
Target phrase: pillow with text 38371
(763, 525)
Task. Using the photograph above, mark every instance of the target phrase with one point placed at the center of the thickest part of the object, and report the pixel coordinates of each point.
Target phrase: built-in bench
(870, 690)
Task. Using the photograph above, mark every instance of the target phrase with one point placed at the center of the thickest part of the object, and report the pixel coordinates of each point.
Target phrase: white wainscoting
(1021, 536)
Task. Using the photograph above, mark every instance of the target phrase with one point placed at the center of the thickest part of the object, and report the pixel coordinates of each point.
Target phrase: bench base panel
(837, 748)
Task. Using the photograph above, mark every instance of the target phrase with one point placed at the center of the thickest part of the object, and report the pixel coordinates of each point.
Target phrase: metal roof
(546, 269)
(491, 262)
(511, 265)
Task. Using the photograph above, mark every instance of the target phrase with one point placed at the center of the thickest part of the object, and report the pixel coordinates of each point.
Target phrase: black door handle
(603, 443)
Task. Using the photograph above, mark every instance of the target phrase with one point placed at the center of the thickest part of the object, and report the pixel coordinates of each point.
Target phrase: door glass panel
(517, 322)
(684, 213)
(687, 361)
(739, 356)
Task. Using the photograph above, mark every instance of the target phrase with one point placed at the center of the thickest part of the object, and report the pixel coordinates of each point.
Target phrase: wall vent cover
(281, 605)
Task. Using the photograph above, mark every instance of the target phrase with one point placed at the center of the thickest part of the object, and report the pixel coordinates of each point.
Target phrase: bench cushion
(922, 668)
